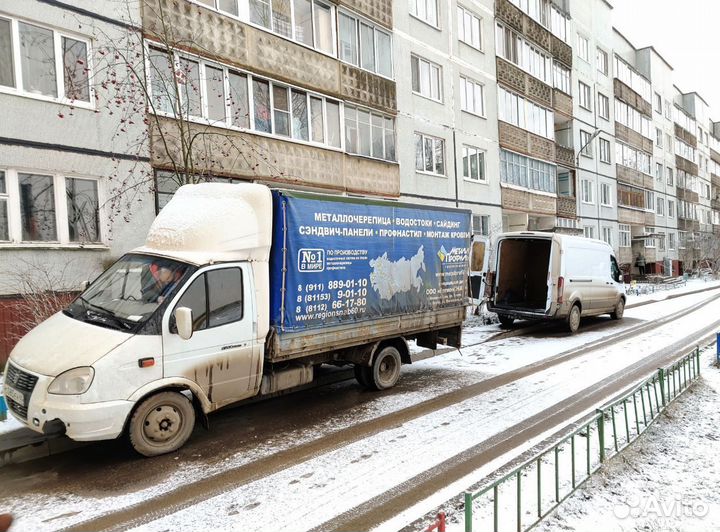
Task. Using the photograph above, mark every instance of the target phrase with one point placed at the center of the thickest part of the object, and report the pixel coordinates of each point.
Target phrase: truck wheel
(573, 319)
(506, 321)
(162, 423)
(385, 370)
(364, 376)
(617, 314)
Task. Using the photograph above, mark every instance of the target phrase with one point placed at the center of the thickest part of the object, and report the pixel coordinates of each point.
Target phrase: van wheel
(617, 314)
(363, 374)
(573, 319)
(385, 370)
(161, 424)
(506, 321)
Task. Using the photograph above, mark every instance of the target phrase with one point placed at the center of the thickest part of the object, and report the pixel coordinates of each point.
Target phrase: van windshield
(129, 292)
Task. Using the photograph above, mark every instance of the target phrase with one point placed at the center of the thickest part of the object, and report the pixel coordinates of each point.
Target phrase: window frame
(62, 229)
(604, 143)
(58, 35)
(480, 154)
(414, 13)
(584, 96)
(605, 201)
(371, 112)
(360, 20)
(624, 232)
(204, 274)
(250, 77)
(244, 16)
(605, 106)
(586, 48)
(435, 140)
(602, 53)
(587, 192)
(464, 81)
(431, 65)
(461, 24)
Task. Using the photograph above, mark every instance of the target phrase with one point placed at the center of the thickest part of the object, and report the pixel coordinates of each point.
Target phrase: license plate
(12, 393)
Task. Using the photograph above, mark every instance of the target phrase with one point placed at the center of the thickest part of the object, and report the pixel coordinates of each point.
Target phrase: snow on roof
(214, 222)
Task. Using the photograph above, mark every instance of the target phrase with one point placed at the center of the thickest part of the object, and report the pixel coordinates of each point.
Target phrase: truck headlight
(73, 382)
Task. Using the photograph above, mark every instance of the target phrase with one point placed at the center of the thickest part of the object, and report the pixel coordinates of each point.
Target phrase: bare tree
(170, 109)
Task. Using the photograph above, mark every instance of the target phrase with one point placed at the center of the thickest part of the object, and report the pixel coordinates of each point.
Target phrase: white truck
(551, 276)
(239, 291)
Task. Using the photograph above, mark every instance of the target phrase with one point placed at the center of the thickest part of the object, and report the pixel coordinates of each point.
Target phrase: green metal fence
(522, 498)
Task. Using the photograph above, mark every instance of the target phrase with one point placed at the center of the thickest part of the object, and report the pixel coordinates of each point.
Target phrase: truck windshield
(129, 292)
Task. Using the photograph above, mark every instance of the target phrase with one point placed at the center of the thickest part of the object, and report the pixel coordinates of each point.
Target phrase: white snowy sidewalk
(668, 480)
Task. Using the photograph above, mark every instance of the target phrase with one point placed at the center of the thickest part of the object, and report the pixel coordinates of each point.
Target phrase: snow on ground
(416, 446)
(668, 480)
(367, 468)
(660, 292)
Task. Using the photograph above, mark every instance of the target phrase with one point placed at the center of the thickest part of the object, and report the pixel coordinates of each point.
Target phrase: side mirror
(184, 322)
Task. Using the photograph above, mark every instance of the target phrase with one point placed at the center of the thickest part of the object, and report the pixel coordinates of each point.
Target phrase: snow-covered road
(359, 465)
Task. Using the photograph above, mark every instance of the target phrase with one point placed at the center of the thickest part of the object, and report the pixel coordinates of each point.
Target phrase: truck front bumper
(49, 413)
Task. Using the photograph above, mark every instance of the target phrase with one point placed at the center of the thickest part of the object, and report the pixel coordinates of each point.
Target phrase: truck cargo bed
(290, 345)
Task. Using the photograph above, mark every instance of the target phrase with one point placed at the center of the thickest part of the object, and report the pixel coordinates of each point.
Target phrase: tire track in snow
(206, 488)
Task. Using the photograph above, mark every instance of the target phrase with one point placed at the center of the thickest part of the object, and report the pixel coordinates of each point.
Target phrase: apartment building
(535, 110)
(447, 113)
(297, 94)
(593, 126)
(66, 156)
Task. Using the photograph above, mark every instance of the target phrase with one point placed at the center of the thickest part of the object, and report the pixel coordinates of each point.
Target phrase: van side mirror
(184, 322)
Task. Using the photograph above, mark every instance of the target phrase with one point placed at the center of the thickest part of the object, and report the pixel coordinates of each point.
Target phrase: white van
(535, 275)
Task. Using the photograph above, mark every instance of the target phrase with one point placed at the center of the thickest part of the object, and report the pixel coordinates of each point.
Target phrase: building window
(668, 110)
(561, 78)
(632, 79)
(429, 154)
(650, 201)
(83, 210)
(584, 93)
(661, 241)
(565, 185)
(558, 23)
(633, 119)
(649, 242)
(605, 195)
(369, 133)
(472, 96)
(583, 48)
(525, 114)
(660, 207)
(602, 61)
(632, 158)
(624, 231)
(587, 191)
(473, 163)
(604, 150)
(589, 231)
(365, 45)
(658, 137)
(631, 197)
(425, 10)
(217, 95)
(469, 28)
(671, 241)
(512, 47)
(310, 22)
(658, 103)
(481, 224)
(603, 106)
(518, 170)
(426, 78)
(658, 171)
(585, 144)
(38, 52)
(671, 209)
(607, 235)
(42, 214)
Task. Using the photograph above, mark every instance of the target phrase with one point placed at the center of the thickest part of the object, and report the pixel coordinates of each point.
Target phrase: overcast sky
(682, 31)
